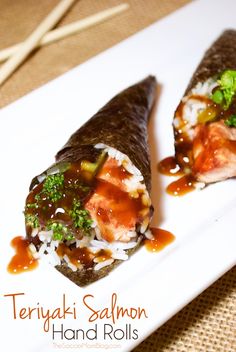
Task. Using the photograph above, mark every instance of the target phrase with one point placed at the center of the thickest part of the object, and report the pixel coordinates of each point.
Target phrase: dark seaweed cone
(121, 124)
(219, 57)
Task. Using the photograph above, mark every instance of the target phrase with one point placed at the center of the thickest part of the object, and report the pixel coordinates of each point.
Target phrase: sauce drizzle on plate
(183, 185)
(169, 167)
(22, 261)
(161, 239)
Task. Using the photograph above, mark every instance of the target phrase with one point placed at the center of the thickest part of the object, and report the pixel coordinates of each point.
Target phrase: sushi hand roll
(205, 120)
(91, 209)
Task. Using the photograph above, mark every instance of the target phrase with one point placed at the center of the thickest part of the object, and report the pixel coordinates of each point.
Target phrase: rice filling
(90, 214)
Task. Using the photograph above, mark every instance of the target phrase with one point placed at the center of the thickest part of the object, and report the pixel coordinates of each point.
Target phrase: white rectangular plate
(36, 126)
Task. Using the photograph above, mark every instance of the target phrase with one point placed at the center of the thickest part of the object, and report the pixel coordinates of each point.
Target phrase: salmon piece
(111, 206)
(114, 173)
(214, 152)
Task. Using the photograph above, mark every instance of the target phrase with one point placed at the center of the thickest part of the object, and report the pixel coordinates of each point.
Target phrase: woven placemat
(208, 323)
(18, 18)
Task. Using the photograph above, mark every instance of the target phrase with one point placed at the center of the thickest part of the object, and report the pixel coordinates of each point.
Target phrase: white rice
(103, 264)
(32, 248)
(204, 88)
(94, 224)
(199, 185)
(60, 210)
(120, 157)
(132, 234)
(51, 171)
(120, 255)
(132, 169)
(144, 226)
(54, 244)
(45, 235)
(193, 106)
(72, 266)
(53, 257)
(35, 232)
(112, 246)
(41, 178)
(66, 258)
(42, 250)
(133, 184)
(84, 242)
(98, 244)
(149, 235)
(98, 233)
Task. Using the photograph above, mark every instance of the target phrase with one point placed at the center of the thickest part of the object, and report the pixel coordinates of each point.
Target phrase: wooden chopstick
(69, 29)
(32, 41)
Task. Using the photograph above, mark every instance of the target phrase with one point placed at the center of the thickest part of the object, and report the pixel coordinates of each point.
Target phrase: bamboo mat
(208, 324)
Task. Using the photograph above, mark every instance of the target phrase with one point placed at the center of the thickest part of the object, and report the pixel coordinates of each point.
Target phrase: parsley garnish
(52, 186)
(231, 121)
(52, 189)
(83, 188)
(224, 94)
(37, 197)
(31, 206)
(60, 232)
(80, 216)
(32, 220)
(80, 186)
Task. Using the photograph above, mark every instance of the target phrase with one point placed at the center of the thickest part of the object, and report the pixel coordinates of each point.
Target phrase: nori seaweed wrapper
(84, 277)
(219, 57)
(121, 124)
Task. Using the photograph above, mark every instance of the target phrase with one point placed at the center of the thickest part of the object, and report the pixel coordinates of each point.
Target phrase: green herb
(224, 94)
(93, 167)
(84, 188)
(60, 232)
(31, 206)
(52, 186)
(70, 237)
(231, 121)
(32, 220)
(80, 186)
(37, 197)
(80, 216)
(218, 97)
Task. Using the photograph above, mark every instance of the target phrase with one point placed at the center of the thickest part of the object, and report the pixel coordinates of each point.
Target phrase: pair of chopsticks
(41, 36)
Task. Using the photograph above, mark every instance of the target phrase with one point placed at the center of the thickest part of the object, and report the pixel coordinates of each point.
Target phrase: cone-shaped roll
(205, 120)
(91, 209)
